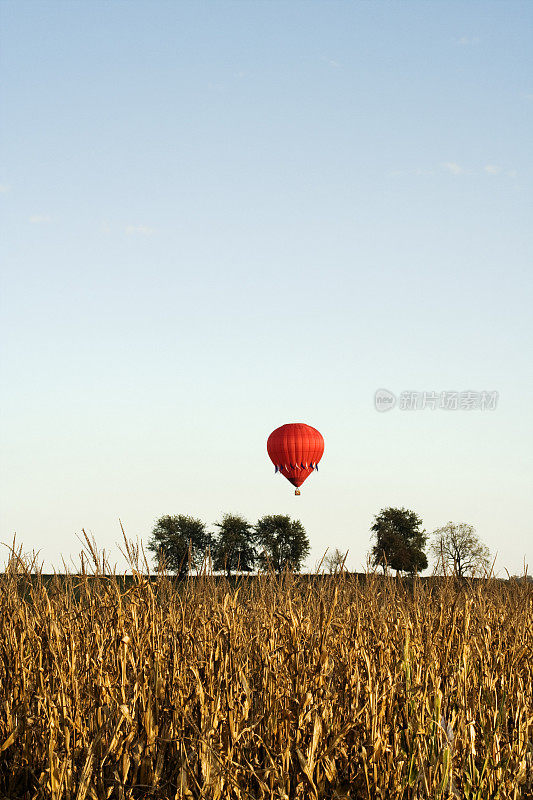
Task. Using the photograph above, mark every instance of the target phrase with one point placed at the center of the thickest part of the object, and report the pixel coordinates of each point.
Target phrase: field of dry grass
(274, 688)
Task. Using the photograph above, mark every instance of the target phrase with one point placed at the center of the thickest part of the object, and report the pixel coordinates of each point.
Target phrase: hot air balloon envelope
(295, 450)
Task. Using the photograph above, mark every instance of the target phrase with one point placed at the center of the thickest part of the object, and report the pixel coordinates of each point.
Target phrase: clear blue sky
(221, 217)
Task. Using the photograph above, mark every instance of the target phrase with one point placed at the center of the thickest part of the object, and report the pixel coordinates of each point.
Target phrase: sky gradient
(221, 217)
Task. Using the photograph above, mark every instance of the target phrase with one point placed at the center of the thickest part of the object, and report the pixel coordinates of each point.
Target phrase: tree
(335, 561)
(234, 545)
(176, 540)
(458, 549)
(400, 541)
(283, 542)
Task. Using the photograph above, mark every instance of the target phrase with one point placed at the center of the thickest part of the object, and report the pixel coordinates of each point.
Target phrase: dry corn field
(271, 688)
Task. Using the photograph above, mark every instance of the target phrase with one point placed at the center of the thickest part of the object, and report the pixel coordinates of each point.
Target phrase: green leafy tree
(233, 548)
(282, 542)
(179, 541)
(458, 549)
(399, 540)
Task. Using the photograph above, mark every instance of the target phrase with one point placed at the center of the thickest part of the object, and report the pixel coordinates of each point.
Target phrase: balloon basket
(297, 492)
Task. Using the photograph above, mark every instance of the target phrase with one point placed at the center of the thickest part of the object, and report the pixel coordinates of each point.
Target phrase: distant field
(265, 688)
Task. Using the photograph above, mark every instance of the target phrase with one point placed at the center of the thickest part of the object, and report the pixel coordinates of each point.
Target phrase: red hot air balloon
(295, 450)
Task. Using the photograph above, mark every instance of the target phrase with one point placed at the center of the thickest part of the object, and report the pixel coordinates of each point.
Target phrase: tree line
(400, 544)
(275, 542)
(182, 543)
